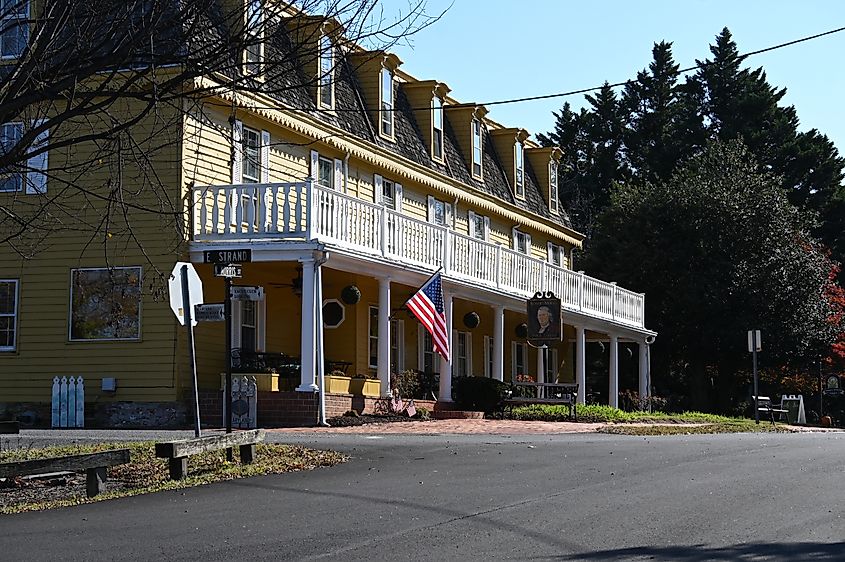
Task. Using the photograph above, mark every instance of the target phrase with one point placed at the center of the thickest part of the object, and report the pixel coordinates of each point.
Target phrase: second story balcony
(305, 211)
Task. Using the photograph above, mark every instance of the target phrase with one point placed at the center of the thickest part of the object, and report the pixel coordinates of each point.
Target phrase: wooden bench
(177, 452)
(95, 466)
(553, 393)
(764, 404)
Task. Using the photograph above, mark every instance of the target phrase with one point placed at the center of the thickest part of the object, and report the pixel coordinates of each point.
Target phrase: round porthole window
(333, 313)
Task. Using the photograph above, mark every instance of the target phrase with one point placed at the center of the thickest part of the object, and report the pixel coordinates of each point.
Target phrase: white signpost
(185, 293)
(755, 344)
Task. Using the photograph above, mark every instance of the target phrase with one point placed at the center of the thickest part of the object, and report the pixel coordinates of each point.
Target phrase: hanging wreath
(350, 294)
(471, 320)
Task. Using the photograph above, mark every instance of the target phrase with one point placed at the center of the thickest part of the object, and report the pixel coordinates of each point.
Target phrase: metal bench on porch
(552, 393)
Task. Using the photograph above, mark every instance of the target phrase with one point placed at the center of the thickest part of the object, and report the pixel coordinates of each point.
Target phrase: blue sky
(488, 50)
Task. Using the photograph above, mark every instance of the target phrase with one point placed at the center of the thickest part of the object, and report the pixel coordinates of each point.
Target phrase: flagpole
(439, 269)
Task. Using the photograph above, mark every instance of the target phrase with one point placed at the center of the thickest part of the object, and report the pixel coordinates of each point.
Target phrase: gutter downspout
(321, 362)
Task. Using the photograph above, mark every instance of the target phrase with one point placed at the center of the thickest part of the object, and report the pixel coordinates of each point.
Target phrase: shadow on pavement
(774, 552)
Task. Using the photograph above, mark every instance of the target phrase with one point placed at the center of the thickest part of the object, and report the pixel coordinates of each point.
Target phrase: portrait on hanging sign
(544, 319)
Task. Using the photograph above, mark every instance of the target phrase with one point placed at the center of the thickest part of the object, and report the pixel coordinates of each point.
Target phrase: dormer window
(519, 167)
(437, 125)
(254, 37)
(14, 27)
(386, 102)
(553, 195)
(476, 148)
(326, 83)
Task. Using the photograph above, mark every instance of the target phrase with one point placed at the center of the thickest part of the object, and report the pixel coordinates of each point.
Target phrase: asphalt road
(474, 497)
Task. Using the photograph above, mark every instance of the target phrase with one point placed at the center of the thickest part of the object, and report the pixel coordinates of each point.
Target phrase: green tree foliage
(719, 249)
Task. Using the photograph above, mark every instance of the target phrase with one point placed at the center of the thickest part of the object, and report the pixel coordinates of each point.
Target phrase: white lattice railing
(305, 211)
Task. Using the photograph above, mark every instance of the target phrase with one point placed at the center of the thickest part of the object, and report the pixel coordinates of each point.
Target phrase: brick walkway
(489, 427)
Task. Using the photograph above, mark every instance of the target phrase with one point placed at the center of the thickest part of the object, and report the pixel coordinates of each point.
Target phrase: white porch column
(307, 352)
(384, 335)
(613, 386)
(499, 343)
(581, 364)
(645, 374)
(445, 394)
(320, 339)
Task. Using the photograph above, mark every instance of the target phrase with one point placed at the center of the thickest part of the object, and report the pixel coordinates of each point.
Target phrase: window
(254, 52)
(373, 337)
(388, 193)
(14, 27)
(521, 242)
(426, 352)
(326, 173)
(519, 359)
(105, 304)
(555, 254)
(439, 212)
(479, 226)
(519, 160)
(251, 171)
(8, 314)
(488, 357)
(249, 325)
(326, 92)
(397, 346)
(10, 136)
(386, 103)
(437, 138)
(463, 354)
(476, 148)
(553, 195)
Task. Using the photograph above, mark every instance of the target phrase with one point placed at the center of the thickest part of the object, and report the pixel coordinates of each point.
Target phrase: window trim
(325, 73)
(472, 228)
(554, 184)
(246, 132)
(386, 120)
(397, 345)
(462, 362)
(447, 212)
(260, 324)
(517, 234)
(370, 336)
(561, 251)
(423, 338)
(5, 21)
(514, 367)
(437, 114)
(519, 170)
(477, 150)
(14, 315)
(256, 67)
(140, 306)
(489, 351)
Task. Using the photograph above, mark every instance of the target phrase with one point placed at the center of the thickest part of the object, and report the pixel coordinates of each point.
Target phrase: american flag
(427, 306)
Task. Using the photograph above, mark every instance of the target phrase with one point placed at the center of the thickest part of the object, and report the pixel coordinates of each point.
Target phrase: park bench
(95, 466)
(177, 452)
(764, 404)
(552, 393)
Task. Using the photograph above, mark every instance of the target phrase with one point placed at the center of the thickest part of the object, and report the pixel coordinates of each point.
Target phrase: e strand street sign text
(236, 255)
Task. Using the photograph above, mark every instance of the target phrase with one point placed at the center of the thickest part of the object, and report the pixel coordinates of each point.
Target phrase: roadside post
(185, 290)
(754, 345)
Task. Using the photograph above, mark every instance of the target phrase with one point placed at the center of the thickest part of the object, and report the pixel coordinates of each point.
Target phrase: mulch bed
(363, 419)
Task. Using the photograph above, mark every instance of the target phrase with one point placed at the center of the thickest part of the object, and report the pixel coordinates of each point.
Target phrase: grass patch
(657, 423)
(145, 473)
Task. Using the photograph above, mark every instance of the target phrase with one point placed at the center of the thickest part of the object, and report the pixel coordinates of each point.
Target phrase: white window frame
(325, 173)
(520, 237)
(433, 204)
(260, 324)
(325, 69)
(71, 307)
(519, 170)
(397, 345)
(254, 50)
(387, 104)
(372, 338)
(381, 187)
(488, 356)
(425, 348)
(554, 203)
(437, 132)
(15, 178)
(251, 154)
(516, 368)
(13, 314)
(556, 254)
(336, 180)
(15, 24)
(477, 149)
(472, 227)
(462, 363)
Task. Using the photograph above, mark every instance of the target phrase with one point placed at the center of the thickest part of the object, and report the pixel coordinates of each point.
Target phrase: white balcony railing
(305, 211)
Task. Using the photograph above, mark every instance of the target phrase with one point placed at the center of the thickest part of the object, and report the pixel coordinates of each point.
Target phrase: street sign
(237, 255)
(754, 341)
(227, 270)
(174, 287)
(247, 293)
(214, 312)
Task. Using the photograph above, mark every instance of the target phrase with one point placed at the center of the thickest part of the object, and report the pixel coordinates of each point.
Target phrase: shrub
(478, 393)
(407, 383)
(422, 414)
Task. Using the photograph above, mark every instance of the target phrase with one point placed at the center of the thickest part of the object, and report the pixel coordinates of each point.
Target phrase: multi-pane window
(254, 52)
(249, 325)
(555, 254)
(522, 242)
(397, 346)
(105, 304)
(326, 63)
(437, 139)
(551, 363)
(488, 356)
(388, 193)
(372, 337)
(519, 160)
(553, 195)
(325, 175)
(437, 212)
(10, 136)
(478, 227)
(519, 359)
(428, 354)
(462, 355)
(476, 148)
(14, 27)
(386, 102)
(8, 314)
(251, 171)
